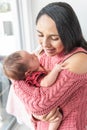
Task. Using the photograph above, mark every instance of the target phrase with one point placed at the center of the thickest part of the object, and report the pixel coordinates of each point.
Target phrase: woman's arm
(77, 63)
(42, 100)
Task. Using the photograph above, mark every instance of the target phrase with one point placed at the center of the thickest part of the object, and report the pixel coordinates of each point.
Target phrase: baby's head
(17, 64)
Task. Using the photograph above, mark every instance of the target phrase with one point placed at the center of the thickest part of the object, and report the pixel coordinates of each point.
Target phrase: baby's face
(32, 60)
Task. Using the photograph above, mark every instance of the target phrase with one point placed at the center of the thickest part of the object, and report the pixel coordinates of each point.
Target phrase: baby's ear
(28, 72)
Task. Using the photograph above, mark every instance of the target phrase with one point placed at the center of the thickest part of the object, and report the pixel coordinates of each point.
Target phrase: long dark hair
(67, 24)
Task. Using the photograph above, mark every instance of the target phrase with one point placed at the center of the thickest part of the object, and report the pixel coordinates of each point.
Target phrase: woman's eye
(54, 38)
(40, 35)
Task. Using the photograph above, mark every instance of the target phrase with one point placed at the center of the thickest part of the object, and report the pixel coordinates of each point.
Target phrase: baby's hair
(14, 66)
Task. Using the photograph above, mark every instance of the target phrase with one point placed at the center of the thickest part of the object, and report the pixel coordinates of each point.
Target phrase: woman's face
(48, 36)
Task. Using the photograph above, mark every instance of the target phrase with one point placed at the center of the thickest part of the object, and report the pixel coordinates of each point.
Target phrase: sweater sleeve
(42, 100)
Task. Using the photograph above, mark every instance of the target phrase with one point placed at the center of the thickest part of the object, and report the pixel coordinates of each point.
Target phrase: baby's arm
(51, 77)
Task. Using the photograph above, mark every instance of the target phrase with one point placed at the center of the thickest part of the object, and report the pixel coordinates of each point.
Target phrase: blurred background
(17, 31)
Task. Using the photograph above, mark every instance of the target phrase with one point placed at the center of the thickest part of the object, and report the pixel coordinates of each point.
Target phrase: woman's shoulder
(77, 63)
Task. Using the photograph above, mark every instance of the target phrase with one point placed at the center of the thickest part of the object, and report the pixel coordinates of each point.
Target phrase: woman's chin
(50, 54)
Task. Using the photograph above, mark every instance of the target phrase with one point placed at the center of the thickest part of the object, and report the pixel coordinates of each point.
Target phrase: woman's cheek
(59, 46)
(40, 41)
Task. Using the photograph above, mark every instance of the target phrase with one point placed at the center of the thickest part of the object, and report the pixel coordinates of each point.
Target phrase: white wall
(79, 7)
(9, 42)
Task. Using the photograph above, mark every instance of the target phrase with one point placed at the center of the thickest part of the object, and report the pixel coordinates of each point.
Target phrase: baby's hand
(58, 67)
(64, 65)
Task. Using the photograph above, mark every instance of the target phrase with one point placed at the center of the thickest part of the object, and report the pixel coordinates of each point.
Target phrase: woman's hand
(53, 116)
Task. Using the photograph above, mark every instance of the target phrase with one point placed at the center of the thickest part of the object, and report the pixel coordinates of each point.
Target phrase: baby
(22, 65)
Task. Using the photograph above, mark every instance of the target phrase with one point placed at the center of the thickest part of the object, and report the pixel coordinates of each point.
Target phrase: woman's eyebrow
(50, 34)
(54, 35)
(38, 31)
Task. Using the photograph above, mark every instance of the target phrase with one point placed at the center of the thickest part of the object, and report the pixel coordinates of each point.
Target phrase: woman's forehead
(49, 25)
(45, 20)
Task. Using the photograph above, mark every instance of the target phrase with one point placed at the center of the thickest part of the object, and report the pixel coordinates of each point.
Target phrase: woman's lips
(50, 50)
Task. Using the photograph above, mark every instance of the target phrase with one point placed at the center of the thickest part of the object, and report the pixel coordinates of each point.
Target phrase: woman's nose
(46, 42)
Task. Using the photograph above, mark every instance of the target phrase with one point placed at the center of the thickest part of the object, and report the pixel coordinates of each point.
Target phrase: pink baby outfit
(69, 92)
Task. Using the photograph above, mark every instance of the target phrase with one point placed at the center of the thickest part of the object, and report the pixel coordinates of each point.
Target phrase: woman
(60, 36)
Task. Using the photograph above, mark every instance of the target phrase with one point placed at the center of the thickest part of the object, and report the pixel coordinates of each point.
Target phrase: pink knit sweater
(69, 92)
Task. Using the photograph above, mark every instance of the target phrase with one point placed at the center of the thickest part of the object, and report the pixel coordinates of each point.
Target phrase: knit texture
(69, 92)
